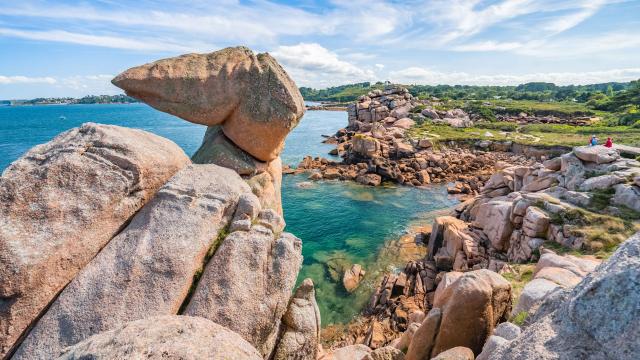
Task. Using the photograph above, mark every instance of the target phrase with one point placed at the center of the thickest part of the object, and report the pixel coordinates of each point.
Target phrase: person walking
(609, 143)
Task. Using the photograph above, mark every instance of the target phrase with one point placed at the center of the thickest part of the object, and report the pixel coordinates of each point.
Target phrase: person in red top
(609, 143)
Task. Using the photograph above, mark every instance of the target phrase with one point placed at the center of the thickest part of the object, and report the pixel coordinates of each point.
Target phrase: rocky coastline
(115, 244)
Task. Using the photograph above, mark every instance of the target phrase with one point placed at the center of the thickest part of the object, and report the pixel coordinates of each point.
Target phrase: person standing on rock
(609, 143)
(594, 140)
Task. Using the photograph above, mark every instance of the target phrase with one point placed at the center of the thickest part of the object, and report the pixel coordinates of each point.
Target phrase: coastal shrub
(418, 108)
(500, 125)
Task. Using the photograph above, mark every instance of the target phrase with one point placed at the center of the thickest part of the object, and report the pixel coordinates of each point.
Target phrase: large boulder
(62, 202)
(164, 337)
(301, 333)
(535, 222)
(596, 154)
(493, 218)
(250, 95)
(627, 195)
(247, 284)
(365, 146)
(470, 308)
(148, 268)
(602, 182)
(599, 319)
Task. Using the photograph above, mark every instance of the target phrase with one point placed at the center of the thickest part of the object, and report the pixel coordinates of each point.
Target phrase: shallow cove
(337, 221)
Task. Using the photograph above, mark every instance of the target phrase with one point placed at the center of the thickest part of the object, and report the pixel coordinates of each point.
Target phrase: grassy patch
(520, 318)
(521, 275)
(533, 134)
(602, 233)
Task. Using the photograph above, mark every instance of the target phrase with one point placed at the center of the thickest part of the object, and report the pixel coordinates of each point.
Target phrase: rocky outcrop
(596, 154)
(598, 319)
(471, 308)
(553, 272)
(249, 95)
(164, 337)
(62, 202)
(247, 283)
(301, 323)
(148, 269)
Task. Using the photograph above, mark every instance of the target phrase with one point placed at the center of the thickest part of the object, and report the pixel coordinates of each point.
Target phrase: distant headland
(90, 99)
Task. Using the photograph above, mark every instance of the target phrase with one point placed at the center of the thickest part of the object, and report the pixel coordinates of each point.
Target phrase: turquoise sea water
(337, 221)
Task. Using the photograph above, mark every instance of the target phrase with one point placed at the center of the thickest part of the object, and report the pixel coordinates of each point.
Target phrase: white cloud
(488, 46)
(9, 80)
(417, 75)
(96, 40)
(310, 64)
(379, 66)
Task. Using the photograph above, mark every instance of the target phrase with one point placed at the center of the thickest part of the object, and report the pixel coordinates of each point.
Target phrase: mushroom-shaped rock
(250, 95)
(164, 337)
(62, 202)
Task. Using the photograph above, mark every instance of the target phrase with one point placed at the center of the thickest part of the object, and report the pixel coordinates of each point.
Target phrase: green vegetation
(520, 318)
(91, 99)
(519, 277)
(602, 233)
(533, 134)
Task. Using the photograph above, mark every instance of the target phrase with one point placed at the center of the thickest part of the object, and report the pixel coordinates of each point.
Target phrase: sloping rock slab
(148, 268)
(164, 337)
(62, 202)
(247, 284)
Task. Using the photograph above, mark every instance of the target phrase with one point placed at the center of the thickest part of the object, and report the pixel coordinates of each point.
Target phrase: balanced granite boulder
(164, 337)
(148, 269)
(301, 323)
(62, 202)
(250, 95)
(247, 284)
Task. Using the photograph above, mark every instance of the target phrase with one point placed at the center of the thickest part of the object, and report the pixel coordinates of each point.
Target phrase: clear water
(335, 220)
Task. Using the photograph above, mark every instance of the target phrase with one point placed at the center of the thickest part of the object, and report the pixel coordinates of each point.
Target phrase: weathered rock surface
(552, 272)
(385, 353)
(164, 337)
(250, 95)
(464, 314)
(148, 268)
(457, 353)
(62, 202)
(494, 219)
(350, 352)
(596, 154)
(247, 284)
(598, 320)
(301, 326)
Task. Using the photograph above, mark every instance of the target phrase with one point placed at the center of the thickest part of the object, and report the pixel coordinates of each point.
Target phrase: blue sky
(69, 48)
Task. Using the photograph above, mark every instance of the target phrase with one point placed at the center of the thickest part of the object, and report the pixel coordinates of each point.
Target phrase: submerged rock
(250, 95)
(352, 277)
(62, 202)
(164, 337)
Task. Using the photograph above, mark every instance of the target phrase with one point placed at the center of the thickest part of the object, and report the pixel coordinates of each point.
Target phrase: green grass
(558, 108)
(521, 275)
(533, 134)
(520, 318)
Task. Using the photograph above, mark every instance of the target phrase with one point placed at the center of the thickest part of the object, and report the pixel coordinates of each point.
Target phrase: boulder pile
(115, 245)
(520, 212)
